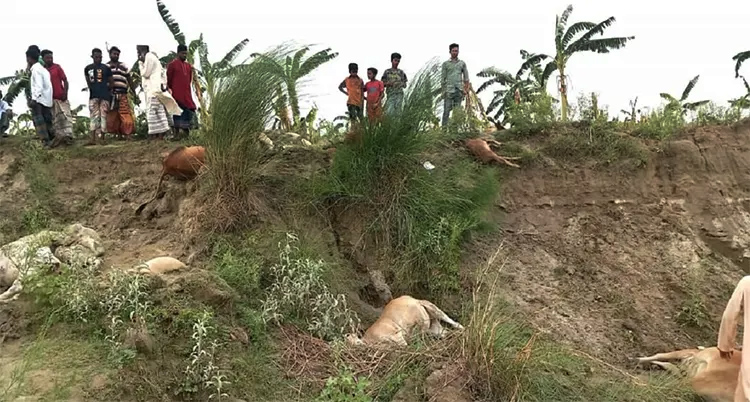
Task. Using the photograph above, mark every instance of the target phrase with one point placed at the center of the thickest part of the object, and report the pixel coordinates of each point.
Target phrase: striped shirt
(119, 77)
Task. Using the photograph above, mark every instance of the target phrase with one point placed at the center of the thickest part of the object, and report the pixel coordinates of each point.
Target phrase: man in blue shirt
(99, 80)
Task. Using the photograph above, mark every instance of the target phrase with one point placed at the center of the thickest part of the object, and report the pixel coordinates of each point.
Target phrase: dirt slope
(615, 263)
(606, 261)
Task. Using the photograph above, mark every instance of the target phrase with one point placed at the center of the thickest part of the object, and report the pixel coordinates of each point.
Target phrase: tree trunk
(563, 93)
(294, 103)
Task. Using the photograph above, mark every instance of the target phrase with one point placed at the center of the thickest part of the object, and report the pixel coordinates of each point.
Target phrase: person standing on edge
(179, 82)
(99, 80)
(354, 88)
(40, 102)
(374, 89)
(455, 82)
(152, 81)
(737, 312)
(394, 80)
(5, 115)
(63, 117)
(120, 117)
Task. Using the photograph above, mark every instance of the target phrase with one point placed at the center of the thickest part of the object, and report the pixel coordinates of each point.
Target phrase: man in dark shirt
(99, 80)
(120, 118)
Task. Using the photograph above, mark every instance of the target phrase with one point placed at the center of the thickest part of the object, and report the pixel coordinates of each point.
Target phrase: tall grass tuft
(423, 215)
(243, 108)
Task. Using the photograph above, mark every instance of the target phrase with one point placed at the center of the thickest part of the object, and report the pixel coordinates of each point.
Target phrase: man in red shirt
(61, 114)
(179, 82)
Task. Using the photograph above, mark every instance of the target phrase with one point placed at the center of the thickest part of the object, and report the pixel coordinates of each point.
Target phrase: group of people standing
(168, 96)
(454, 81)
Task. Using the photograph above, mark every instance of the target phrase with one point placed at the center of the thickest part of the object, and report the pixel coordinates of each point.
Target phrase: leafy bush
(345, 387)
(661, 124)
(299, 293)
(238, 266)
(534, 116)
(713, 114)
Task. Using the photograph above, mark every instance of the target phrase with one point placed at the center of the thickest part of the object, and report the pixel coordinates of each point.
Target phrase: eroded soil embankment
(622, 264)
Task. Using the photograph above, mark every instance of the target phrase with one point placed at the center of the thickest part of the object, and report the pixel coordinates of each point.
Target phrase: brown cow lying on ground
(481, 149)
(711, 377)
(182, 163)
(399, 318)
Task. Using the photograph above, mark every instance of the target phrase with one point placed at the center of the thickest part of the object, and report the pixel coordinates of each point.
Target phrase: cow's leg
(13, 291)
(667, 366)
(676, 355)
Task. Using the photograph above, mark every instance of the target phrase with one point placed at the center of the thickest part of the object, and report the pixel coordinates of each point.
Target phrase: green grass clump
(422, 215)
(598, 142)
(242, 109)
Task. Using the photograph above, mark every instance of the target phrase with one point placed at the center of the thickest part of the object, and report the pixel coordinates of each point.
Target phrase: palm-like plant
(179, 37)
(742, 102)
(17, 83)
(291, 69)
(632, 114)
(566, 46)
(212, 73)
(681, 103)
(740, 58)
(513, 86)
(22, 125)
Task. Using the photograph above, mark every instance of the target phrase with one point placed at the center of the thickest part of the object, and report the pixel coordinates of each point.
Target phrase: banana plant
(682, 103)
(566, 47)
(291, 69)
(17, 83)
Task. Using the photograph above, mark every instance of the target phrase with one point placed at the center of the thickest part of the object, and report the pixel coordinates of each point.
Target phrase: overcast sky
(674, 40)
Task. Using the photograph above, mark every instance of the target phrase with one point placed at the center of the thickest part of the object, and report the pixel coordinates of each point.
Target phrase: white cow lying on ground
(159, 266)
(76, 245)
(711, 377)
(399, 318)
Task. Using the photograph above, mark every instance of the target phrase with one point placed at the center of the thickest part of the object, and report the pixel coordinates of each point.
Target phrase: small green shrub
(299, 293)
(532, 117)
(599, 142)
(345, 387)
(238, 266)
(661, 124)
(712, 114)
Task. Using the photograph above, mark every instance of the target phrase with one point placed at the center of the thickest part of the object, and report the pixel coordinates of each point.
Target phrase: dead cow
(183, 163)
(481, 149)
(711, 376)
(399, 318)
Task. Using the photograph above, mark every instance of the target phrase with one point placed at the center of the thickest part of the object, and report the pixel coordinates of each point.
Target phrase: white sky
(674, 40)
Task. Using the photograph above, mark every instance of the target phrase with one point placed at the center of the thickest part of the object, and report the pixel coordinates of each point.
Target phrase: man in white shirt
(5, 114)
(154, 83)
(40, 104)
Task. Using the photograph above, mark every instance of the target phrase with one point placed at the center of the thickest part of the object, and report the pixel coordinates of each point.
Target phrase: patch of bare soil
(102, 189)
(605, 261)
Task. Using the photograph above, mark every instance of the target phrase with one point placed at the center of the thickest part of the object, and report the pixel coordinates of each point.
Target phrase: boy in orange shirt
(374, 89)
(354, 89)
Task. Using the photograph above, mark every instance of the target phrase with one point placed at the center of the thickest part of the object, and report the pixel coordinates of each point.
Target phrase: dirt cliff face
(614, 263)
(620, 264)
